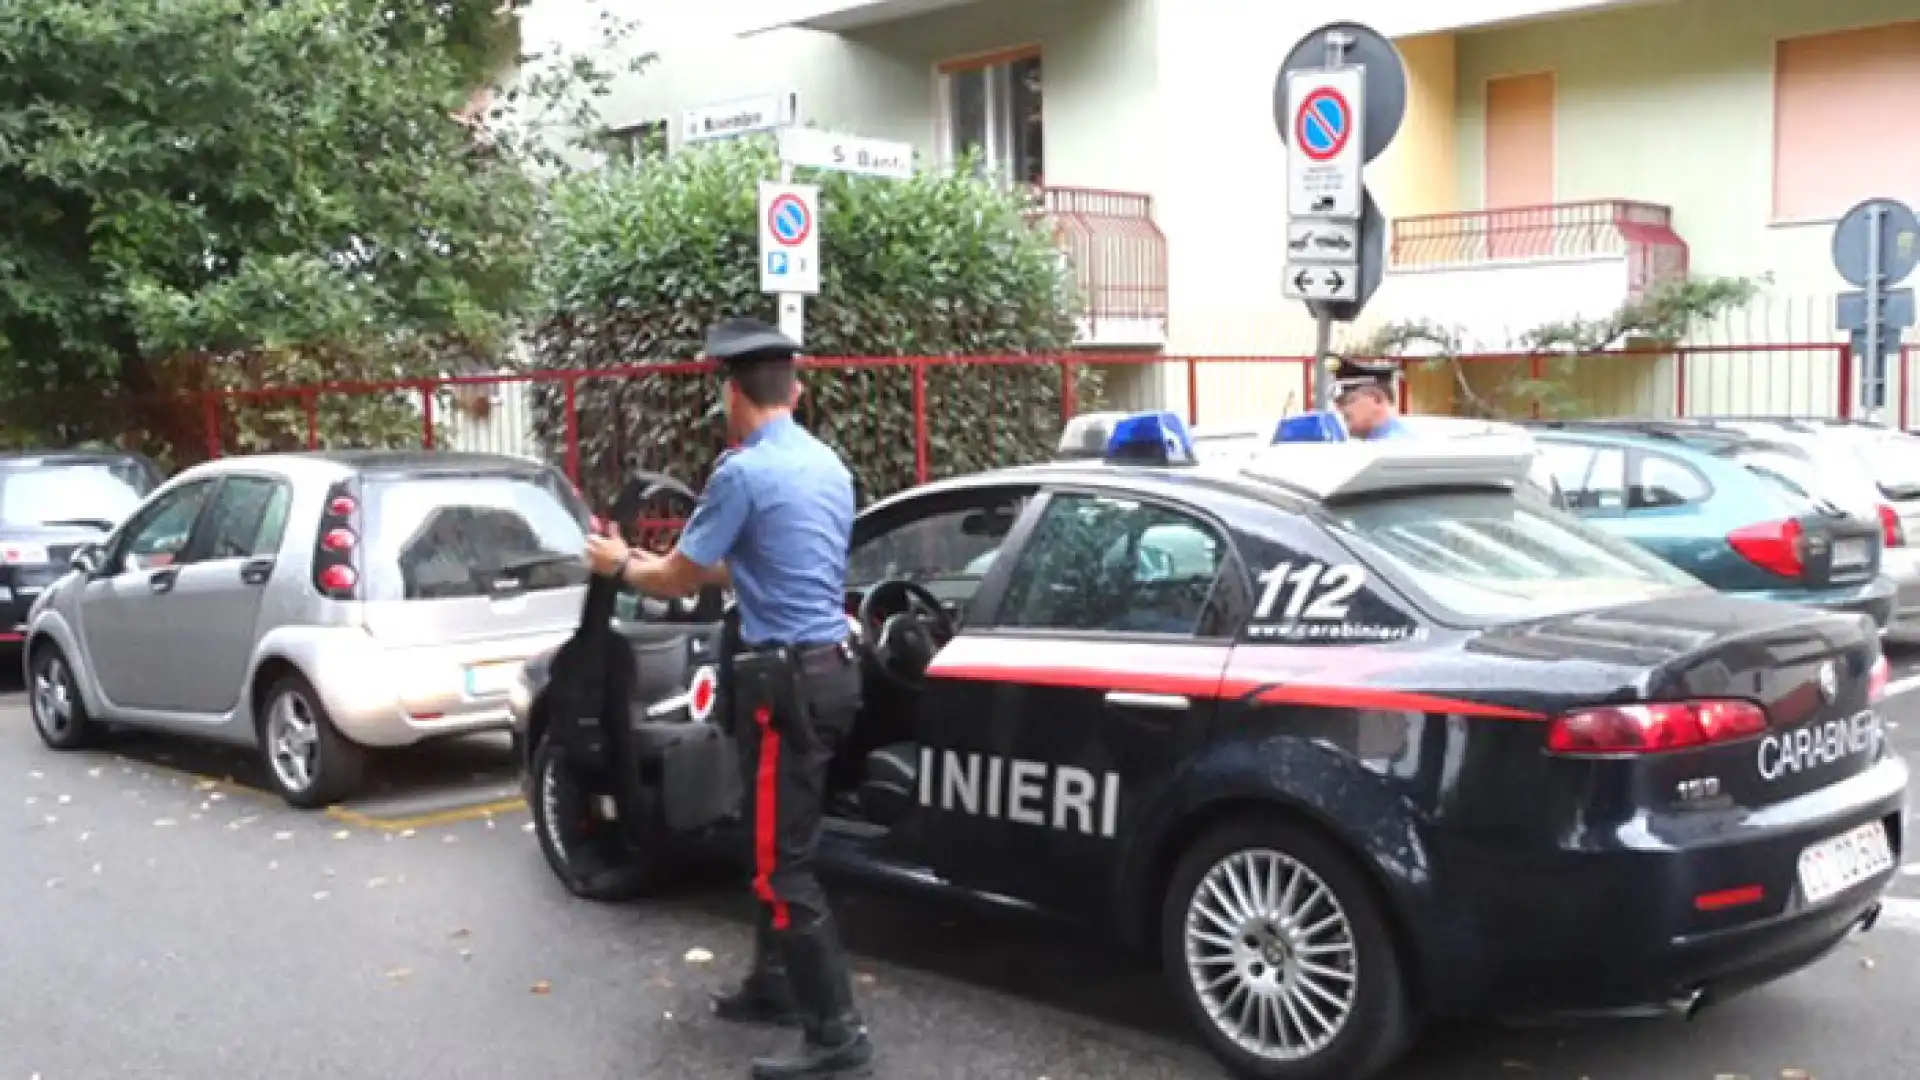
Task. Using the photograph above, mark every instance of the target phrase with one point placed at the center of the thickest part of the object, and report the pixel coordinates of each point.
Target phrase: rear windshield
(1490, 557)
(1799, 481)
(440, 537)
(96, 493)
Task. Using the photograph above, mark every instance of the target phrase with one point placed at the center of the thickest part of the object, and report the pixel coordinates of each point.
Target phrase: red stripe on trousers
(766, 818)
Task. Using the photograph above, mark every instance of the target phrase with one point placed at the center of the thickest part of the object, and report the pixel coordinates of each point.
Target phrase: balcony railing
(1640, 233)
(1118, 258)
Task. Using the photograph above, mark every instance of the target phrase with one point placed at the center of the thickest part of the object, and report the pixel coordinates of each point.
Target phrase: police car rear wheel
(1281, 953)
(588, 855)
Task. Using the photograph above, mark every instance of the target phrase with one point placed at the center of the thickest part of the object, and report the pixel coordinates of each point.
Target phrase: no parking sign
(790, 239)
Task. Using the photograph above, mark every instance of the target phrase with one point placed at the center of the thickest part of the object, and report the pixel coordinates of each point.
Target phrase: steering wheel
(904, 644)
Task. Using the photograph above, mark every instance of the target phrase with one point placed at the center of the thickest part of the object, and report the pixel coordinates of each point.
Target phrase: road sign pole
(1322, 354)
(1870, 366)
(793, 306)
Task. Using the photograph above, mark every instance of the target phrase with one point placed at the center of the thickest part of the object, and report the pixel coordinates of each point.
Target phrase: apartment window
(637, 142)
(1841, 131)
(993, 106)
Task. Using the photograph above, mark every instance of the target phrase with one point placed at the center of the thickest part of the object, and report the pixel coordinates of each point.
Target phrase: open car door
(633, 703)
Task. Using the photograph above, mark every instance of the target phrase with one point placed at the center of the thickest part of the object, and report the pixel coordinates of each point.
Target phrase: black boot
(765, 996)
(835, 1043)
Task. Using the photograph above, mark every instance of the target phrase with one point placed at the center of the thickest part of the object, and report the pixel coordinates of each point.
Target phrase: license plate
(1851, 553)
(1831, 867)
(491, 680)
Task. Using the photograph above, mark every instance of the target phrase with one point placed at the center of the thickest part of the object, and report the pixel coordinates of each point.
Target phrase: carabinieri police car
(1348, 735)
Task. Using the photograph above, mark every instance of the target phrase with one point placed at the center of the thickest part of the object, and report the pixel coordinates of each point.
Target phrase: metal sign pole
(1338, 41)
(1870, 368)
(793, 306)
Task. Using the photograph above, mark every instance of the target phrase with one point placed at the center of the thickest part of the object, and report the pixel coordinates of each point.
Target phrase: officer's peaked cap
(1356, 374)
(733, 342)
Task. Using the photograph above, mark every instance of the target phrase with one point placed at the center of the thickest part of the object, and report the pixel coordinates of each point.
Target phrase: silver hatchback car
(317, 607)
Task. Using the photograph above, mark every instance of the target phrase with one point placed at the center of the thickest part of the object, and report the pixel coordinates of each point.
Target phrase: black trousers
(792, 711)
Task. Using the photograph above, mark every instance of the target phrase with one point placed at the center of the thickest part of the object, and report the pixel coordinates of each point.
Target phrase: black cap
(1355, 374)
(733, 342)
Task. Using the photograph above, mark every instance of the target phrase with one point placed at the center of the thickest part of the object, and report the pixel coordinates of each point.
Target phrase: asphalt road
(156, 924)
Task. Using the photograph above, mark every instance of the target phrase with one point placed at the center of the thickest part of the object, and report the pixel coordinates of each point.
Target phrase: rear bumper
(1608, 925)
(392, 697)
(1902, 567)
(1875, 599)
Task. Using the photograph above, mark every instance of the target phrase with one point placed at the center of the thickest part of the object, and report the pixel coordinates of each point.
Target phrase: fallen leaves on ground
(542, 987)
(699, 956)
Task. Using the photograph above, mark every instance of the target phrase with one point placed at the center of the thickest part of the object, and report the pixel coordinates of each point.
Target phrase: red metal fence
(906, 420)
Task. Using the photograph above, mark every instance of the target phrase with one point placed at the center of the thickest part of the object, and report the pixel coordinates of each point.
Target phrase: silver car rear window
(442, 537)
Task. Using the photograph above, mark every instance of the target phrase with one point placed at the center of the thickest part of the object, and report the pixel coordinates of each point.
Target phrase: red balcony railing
(1641, 233)
(1117, 254)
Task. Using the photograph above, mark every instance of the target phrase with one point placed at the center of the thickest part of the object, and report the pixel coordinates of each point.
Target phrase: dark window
(437, 537)
(638, 142)
(248, 518)
(1665, 482)
(956, 544)
(158, 537)
(1097, 563)
(1590, 478)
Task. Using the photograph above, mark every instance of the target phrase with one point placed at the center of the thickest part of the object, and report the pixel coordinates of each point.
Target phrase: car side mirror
(88, 559)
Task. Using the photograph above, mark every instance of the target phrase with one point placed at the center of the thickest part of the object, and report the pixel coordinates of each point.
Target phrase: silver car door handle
(1170, 702)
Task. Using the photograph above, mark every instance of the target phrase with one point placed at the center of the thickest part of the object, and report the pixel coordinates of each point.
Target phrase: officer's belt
(805, 657)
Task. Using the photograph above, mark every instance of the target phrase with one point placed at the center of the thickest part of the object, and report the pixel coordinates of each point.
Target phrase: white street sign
(1323, 240)
(811, 148)
(742, 116)
(1325, 146)
(790, 239)
(1318, 282)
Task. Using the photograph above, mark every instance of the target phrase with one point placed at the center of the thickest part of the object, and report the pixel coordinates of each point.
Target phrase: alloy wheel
(1272, 955)
(53, 696)
(293, 738)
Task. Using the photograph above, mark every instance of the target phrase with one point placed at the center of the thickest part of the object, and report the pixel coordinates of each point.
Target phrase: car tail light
(1878, 677)
(336, 552)
(1778, 546)
(1654, 727)
(1892, 533)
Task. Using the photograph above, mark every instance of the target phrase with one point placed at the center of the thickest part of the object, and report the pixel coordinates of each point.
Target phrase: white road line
(1903, 686)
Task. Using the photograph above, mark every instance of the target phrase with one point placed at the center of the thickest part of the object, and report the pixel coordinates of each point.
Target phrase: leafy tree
(205, 195)
(642, 257)
(1661, 318)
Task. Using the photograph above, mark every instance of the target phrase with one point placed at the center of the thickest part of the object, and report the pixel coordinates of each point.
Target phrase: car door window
(955, 544)
(248, 517)
(1664, 482)
(158, 536)
(1591, 478)
(1102, 564)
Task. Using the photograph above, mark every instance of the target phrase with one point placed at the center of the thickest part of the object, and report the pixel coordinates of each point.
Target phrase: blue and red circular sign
(1322, 124)
(789, 220)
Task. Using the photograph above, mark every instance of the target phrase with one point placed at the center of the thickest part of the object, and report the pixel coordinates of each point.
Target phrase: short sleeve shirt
(779, 511)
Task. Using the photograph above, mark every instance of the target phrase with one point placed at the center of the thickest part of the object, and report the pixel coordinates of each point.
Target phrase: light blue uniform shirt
(779, 511)
(1392, 429)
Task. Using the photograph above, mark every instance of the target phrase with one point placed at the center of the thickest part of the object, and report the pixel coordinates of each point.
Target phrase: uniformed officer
(775, 521)
(1365, 395)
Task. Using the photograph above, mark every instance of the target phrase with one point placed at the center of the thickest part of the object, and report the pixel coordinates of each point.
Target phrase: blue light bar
(1316, 427)
(1155, 438)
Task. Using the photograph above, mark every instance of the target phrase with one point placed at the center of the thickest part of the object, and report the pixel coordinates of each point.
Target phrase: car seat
(888, 787)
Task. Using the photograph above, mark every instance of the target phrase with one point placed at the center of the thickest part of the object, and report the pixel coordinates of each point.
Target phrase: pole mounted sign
(1875, 247)
(789, 239)
(1337, 104)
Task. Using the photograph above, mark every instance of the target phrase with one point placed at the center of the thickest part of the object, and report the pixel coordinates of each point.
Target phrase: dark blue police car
(1347, 735)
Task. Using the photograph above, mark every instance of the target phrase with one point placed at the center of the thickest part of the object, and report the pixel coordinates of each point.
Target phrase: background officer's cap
(1352, 375)
(733, 342)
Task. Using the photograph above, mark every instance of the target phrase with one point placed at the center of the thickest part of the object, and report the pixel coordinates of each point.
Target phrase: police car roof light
(1154, 438)
(1312, 427)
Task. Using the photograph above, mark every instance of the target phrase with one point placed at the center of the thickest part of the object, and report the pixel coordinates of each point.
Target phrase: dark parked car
(51, 503)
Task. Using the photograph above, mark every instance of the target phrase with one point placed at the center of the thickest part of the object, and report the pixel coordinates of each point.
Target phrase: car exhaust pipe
(1687, 1005)
(1869, 918)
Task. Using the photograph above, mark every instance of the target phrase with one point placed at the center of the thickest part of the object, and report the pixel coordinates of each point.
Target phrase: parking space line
(1903, 686)
(427, 821)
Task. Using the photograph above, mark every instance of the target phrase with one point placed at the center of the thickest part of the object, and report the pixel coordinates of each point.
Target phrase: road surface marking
(426, 821)
(1900, 912)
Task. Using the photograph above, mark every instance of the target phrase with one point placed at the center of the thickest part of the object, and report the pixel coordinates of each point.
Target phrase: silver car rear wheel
(309, 761)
